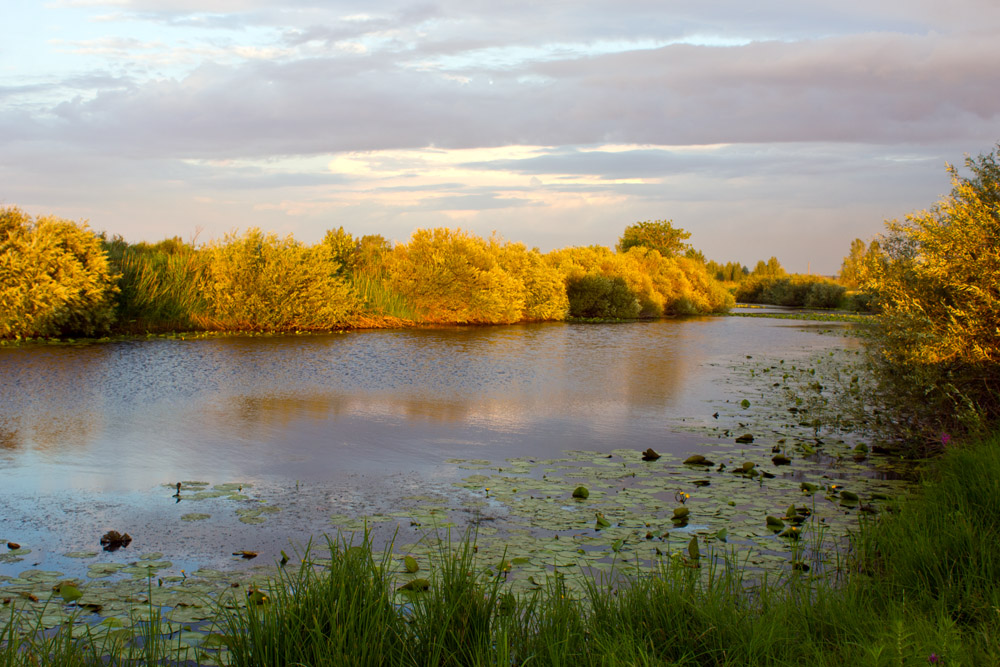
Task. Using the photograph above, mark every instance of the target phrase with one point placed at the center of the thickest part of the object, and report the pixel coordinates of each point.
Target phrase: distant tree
(771, 267)
(659, 235)
(696, 255)
(853, 271)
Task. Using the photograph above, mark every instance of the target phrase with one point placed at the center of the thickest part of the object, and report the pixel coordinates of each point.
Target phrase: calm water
(343, 423)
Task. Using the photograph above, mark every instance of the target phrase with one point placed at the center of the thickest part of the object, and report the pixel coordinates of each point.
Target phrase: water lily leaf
(697, 460)
(693, 550)
(195, 516)
(774, 523)
(416, 585)
(411, 565)
(69, 592)
(581, 492)
(849, 496)
(257, 596)
(745, 439)
(744, 404)
(781, 460)
(602, 522)
(681, 512)
(721, 534)
(809, 488)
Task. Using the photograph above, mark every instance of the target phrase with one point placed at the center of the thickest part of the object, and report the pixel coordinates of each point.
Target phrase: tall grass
(380, 300)
(158, 291)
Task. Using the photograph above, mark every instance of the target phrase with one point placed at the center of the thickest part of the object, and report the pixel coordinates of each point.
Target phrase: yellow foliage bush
(258, 282)
(936, 285)
(454, 276)
(662, 285)
(54, 278)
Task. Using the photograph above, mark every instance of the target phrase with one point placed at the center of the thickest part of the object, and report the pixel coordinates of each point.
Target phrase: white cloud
(554, 123)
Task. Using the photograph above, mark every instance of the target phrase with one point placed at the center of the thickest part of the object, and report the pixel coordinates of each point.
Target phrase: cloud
(555, 123)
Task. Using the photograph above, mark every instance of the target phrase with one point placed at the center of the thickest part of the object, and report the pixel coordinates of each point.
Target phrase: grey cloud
(878, 88)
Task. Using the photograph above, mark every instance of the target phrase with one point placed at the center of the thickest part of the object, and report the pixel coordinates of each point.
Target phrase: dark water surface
(333, 424)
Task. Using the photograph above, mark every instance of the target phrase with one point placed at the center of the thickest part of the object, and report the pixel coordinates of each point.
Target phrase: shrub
(796, 290)
(259, 282)
(54, 278)
(600, 296)
(454, 276)
(936, 284)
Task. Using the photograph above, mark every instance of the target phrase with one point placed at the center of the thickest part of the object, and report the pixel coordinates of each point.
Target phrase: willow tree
(937, 284)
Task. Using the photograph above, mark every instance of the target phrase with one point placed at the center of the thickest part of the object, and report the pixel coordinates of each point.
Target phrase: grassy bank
(920, 586)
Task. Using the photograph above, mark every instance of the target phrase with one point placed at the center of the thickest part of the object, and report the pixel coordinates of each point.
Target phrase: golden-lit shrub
(936, 285)
(796, 290)
(543, 287)
(454, 276)
(259, 282)
(54, 278)
(660, 285)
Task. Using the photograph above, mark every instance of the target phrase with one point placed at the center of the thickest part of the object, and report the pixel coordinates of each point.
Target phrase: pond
(279, 439)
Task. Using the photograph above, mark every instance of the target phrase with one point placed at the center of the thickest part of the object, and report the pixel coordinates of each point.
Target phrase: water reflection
(148, 412)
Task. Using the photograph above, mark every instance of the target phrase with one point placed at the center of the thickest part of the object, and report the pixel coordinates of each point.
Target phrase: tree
(659, 235)
(854, 270)
(771, 268)
(936, 281)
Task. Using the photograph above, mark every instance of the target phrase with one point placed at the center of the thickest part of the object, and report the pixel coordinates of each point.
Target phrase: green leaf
(416, 585)
(70, 593)
(693, 550)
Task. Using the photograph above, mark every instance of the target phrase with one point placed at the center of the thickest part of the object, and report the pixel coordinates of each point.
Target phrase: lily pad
(195, 516)
(416, 585)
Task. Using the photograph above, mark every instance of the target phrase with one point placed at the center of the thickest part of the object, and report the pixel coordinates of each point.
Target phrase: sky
(775, 127)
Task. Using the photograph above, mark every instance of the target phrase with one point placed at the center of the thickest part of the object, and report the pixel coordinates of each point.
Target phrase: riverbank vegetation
(934, 280)
(63, 280)
(919, 586)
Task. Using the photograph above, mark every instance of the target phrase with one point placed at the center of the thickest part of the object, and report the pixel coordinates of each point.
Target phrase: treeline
(60, 279)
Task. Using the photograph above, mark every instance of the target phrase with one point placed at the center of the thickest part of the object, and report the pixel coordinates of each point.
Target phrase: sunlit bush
(259, 282)
(54, 278)
(454, 276)
(796, 290)
(936, 284)
(661, 285)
